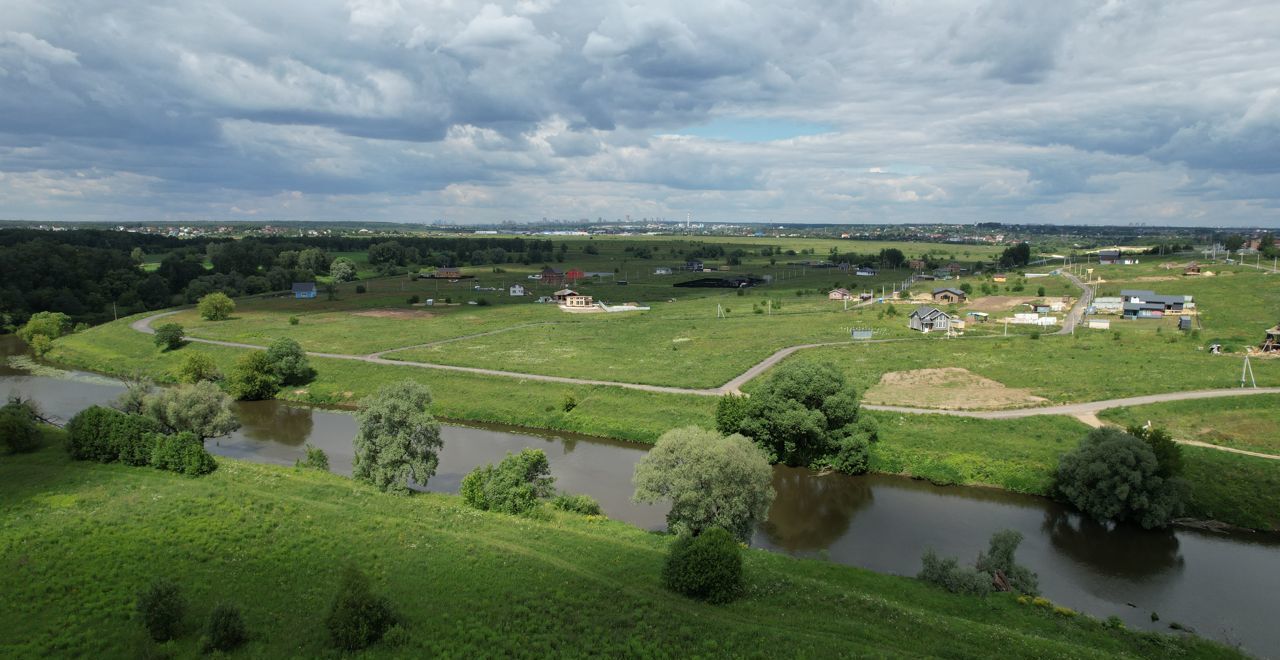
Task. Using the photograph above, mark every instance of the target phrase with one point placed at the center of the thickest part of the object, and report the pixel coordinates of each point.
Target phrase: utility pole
(1248, 369)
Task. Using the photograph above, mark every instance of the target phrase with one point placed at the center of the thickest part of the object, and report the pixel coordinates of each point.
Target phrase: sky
(837, 111)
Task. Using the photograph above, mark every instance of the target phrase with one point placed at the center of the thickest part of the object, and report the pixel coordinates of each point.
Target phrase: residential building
(1115, 257)
(949, 295)
(661, 270)
(563, 295)
(516, 290)
(1000, 277)
(916, 264)
(304, 289)
(839, 294)
(578, 301)
(865, 271)
(928, 319)
(447, 273)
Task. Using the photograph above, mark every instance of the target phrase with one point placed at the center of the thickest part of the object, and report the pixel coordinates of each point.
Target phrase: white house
(516, 290)
(924, 319)
(661, 270)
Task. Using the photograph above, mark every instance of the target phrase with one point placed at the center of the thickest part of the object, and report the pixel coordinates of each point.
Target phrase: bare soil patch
(948, 388)
(990, 304)
(395, 313)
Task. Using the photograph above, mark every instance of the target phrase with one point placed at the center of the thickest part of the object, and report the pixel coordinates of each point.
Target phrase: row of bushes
(357, 617)
(107, 435)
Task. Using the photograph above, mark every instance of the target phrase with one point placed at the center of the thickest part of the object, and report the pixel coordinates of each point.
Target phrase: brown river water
(1224, 586)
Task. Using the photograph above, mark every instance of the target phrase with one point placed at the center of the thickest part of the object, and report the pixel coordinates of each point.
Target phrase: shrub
(201, 408)
(18, 429)
(1113, 476)
(40, 345)
(583, 504)
(950, 575)
(216, 306)
(183, 453)
(197, 367)
(293, 320)
(360, 288)
(162, 607)
(483, 302)
(1168, 453)
(513, 486)
(358, 617)
(254, 377)
(998, 563)
(1040, 292)
(168, 336)
(225, 631)
(413, 300)
(315, 458)
(706, 567)
(569, 402)
(105, 435)
(50, 325)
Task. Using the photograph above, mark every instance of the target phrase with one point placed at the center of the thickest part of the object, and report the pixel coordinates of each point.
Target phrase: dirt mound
(948, 388)
(395, 313)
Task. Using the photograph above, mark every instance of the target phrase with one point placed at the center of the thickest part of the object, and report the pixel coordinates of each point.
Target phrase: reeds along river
(1226, 587)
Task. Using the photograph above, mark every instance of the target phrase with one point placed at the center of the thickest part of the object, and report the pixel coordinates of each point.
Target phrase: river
(1224, 586)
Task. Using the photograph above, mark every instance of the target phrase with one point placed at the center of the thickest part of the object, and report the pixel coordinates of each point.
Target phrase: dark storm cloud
(1110, 110)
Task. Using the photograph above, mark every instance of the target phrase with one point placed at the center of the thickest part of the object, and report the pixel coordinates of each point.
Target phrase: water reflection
(812, 511)
(271, 421)
(1120, 550)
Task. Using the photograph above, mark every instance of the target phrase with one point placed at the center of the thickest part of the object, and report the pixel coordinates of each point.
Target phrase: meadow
(1251, 422)
(81, 539)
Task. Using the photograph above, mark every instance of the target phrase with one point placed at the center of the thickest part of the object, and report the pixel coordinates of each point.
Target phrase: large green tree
(806, 413)
(49, 324)
(711, 480)
(398, 440)
(289, 361)
(1115, 477)
(200, 408)
(216, 306)
(254, 377)
(342, 269)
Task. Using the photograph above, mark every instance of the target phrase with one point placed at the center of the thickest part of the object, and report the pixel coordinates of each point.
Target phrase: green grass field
(1250, 422)
(81, 539)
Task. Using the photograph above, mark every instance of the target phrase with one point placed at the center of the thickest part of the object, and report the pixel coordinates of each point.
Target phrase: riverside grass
(1247, 422)
(80, 539)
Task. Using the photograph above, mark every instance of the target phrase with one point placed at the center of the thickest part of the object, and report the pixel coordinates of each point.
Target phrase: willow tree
(398, 441)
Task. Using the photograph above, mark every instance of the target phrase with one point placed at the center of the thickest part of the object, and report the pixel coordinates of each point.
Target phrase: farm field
(273, 541)
(1251, 422)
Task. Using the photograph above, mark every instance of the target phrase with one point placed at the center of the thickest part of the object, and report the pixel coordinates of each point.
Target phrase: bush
(1168, 453)
(998, 563)
(315, 458)
(254, 377)
(201, 408)
(183, 453)
(360, 288)
(39, 345)
(162, 607)
(706, 567)
(197, 367)
(18, 429)
(357, 617)
(583, 504)
(50, 325)
(568, 403)
(216, 306)
(1113, 476)
(950, 575)
(413, 300)
(105, 435)
(513, 486)
(226, 630)
(293, 320)
(168, 336)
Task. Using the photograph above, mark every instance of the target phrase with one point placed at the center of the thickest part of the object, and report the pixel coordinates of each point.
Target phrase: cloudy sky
(1071, 111)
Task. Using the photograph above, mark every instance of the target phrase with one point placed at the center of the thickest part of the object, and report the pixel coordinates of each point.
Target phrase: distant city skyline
(1081, 112)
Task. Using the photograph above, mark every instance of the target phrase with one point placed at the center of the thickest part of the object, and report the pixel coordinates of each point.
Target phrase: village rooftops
(1131, 295)
(944, 289)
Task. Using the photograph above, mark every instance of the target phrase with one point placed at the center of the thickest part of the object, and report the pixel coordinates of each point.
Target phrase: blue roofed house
(304, 289)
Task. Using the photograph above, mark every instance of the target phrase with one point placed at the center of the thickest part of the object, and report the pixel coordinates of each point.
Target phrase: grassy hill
(79, 540)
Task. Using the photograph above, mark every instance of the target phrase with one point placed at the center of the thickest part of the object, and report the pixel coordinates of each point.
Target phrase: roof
(958, 292)
(1108, 253)
(304, 287)
(1141, 293)
(843, 292)
(926, 312)
(1129, 306)
(565, 292)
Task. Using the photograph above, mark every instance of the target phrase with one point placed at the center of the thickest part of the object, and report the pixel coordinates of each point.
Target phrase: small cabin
(304, 290)
(839, 294)
(949, 295)
(447, 273)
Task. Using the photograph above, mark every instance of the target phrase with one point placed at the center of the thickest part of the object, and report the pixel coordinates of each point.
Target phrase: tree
(967, 288)
(710, 479)
(200, 408)
(892, 257)
(1018, 255)
(1113, 476)
(168, 336)
(1233, 242)
(162, 608)
(253, 378)
(289, 361)
(805, 414)
(49, 324)
(198, 367)
(386, 254)
(398, 438)
(357, 617)
(314, 260)
(133, 400)
(136, 255)
(216, 306)
(342, 269)
(1040, 292)
(998, 562)
(514, 486)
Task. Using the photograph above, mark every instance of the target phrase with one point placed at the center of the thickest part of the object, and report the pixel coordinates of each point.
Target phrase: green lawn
(1241, 490)
(81, 539)
(1248, 422)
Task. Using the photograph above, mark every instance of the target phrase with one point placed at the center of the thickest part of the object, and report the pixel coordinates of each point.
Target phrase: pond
(1225, 586)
